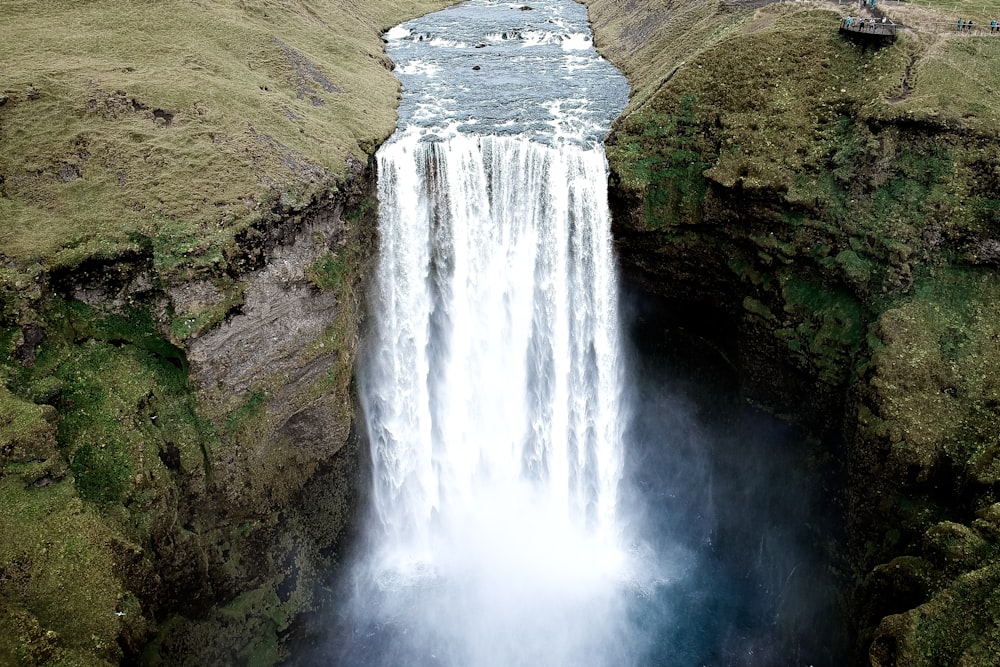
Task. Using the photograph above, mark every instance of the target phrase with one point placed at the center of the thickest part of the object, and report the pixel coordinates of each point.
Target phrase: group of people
(856, 23)
(968, 26)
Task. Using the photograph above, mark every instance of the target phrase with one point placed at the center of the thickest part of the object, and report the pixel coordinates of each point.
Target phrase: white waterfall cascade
(493, 386)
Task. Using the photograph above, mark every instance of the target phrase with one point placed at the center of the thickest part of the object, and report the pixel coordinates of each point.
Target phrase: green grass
(651, 40)
(123, 398)
(60, 578)
(87, 156)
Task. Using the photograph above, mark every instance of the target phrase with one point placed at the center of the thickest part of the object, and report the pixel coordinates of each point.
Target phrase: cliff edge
(186, 221)
(837, 200)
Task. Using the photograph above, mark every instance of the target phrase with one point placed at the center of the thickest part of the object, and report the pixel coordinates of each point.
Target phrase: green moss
(959, 626)
(662, 158)
(122, 394)
(48, 538)
(26, 431)
(935, 382)
(856, 269)
(326, 272)
(247, 416)
(838, 316)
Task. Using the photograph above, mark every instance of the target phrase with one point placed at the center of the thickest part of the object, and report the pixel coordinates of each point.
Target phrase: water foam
(493, 387)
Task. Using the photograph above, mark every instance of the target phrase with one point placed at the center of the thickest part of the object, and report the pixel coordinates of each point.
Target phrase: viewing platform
(868, 26)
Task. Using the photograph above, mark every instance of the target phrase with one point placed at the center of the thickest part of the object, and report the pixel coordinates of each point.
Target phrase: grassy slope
(854, 194)
(268, 103)
(265, 98)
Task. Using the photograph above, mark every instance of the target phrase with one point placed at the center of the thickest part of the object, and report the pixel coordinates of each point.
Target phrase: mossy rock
(852, 193)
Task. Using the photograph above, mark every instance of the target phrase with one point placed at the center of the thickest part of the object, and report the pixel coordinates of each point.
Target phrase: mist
(726, 558)
(743, 503)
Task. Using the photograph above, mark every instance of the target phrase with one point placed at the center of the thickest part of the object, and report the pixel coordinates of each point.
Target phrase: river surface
(529, 506)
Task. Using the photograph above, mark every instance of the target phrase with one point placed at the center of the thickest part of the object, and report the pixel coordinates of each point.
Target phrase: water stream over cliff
(492, 396)
(508, 525)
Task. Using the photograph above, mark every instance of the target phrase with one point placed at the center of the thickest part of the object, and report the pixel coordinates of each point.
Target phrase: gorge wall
(837, 204)
(187, 217)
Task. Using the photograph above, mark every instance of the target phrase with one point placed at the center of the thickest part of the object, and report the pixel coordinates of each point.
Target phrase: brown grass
(180, 119)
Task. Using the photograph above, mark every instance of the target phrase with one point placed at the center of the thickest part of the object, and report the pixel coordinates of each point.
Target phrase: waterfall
(492, 391)
(492, 383)
(495, 373)
(506, 527)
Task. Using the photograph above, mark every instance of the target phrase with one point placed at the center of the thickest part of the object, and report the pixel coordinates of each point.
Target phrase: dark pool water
(741, 500)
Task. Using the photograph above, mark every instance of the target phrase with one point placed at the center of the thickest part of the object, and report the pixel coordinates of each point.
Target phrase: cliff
(837, 202)
(186, 218)
(186, 223)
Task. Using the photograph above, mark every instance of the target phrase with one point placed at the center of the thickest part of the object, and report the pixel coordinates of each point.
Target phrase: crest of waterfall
(494, 384)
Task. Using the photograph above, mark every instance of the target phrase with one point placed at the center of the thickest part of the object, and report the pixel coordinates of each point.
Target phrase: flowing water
(492, 392)
(493, 381)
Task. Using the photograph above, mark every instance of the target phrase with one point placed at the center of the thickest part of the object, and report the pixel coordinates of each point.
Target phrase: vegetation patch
(189, 134)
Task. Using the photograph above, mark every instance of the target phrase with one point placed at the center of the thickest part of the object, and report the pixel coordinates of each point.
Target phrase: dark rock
(166, 117)
(33, 336)
(69, 172)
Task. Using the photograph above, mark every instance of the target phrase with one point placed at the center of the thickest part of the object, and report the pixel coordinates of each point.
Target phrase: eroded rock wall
(186, 232)
(220, 467)
(840, 212)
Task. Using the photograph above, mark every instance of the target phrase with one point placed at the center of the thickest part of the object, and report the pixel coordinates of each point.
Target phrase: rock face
(185, 233)
(217, 471)
(770, 171)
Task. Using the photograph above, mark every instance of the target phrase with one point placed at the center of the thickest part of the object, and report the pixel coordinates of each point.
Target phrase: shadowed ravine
(537, 500)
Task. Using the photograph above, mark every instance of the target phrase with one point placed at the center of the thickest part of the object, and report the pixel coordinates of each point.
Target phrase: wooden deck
(868, 26)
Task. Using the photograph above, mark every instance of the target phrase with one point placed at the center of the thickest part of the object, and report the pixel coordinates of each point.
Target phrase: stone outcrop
(222, 491)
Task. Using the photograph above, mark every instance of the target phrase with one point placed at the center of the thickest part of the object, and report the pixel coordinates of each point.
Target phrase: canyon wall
(186, 222)
(836, 201)
(187, 217)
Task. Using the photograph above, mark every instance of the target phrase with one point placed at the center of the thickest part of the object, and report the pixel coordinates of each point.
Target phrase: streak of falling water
(493, 385)
(496, 370)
